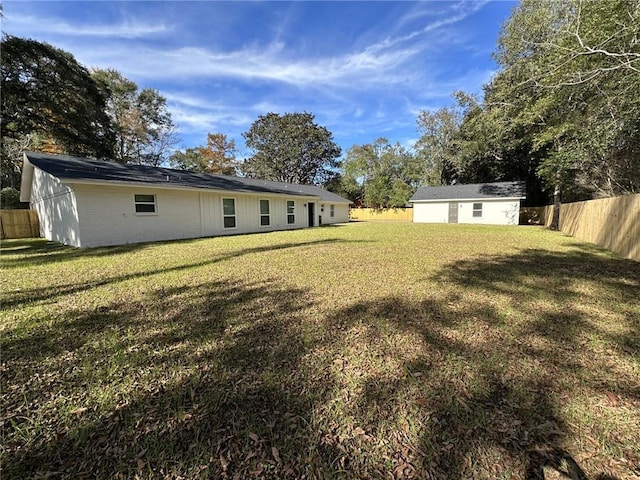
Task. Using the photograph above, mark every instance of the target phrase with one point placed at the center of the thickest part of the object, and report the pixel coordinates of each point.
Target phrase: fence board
(19, 224)
(387, 214)
(613, 223)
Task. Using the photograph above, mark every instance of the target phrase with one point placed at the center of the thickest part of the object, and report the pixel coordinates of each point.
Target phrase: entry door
(312, 213)
(453, 212)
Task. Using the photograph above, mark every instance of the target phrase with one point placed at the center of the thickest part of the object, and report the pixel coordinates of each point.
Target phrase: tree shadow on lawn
(49, 294)
(497, 368)
(40, 251)
(203, 383)
(230, 379)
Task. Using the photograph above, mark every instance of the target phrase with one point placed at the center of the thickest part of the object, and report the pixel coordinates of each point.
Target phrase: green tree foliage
(217, 157)
(144, 130)
(46, 92)
(563, 112)
(10, 198)
(345, 187)
(437, 147)
(384, 175)
(290, 148)
(189, 159)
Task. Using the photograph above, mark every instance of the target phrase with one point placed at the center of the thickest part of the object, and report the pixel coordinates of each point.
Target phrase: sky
(364, 69)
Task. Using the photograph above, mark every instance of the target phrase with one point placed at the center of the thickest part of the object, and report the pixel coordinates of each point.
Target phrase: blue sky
(364, 69)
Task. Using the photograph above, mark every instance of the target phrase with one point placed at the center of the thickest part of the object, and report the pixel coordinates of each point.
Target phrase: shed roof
(85, 169)
(471, 191)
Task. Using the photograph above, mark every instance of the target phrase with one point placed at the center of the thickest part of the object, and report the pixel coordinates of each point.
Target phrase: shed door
(453, 212)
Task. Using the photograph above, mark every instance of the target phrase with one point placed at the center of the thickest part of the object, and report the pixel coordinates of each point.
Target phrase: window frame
(291, 214)
(137, 202)
(476, 212)
(263, 215)
(234, 216)
(332, 210)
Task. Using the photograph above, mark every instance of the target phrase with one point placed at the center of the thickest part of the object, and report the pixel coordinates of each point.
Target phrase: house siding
(431, 212)
(341, 214)
(108, 217)
(494, 212)
(57, 209)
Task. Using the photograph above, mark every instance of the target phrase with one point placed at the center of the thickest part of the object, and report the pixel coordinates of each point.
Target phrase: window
(291, 212)
(477, 210)
(145, 203)
(332, 211)
(229, 213)
(264, 213)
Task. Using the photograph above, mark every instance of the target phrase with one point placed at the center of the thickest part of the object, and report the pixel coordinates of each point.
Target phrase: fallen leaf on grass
(276, 455)
(612, 398)
(224, 463)
(79, 411)
(254, 437)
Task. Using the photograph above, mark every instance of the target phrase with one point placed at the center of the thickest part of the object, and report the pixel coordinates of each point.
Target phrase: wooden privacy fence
(613, 223)
(388, 214)
(19, 224)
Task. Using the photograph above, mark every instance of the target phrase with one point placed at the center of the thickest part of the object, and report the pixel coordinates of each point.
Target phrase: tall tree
(562, 111)
(386, 174)
(47, 93)
(219, 154)
(144, 129)
(217, 157)
(573, 66)
(290, 148)
(437, 146)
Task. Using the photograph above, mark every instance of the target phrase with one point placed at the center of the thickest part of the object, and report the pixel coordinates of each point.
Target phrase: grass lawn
(357, 351)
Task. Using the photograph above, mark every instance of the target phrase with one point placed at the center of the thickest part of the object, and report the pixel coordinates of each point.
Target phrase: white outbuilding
(484, 203)
(90, 203)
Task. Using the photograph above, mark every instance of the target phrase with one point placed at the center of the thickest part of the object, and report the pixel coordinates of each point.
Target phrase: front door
(453, 212)
(312, 213)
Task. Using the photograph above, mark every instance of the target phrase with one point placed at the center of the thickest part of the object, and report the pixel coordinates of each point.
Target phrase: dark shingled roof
(75, 168)
(471, 191)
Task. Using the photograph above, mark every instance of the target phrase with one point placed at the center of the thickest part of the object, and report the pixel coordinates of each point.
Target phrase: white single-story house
(91, 203)
(485, 203)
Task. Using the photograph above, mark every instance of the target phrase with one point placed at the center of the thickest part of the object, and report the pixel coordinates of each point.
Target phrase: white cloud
(373, 89)
(28, 25)
(393, 61)
(270, 64)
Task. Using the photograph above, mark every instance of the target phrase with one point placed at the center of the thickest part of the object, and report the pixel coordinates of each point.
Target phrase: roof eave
(435, 200)
(116, 183)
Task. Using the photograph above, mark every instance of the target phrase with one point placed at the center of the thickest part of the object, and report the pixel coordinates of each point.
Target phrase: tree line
(52, 103)
(562, 113)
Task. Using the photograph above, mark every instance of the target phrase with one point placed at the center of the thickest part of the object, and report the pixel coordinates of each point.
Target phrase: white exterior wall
(57, 209)
(108, 217)
(248, 213)
(431, 212)
(340, 213)
(494, 212)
